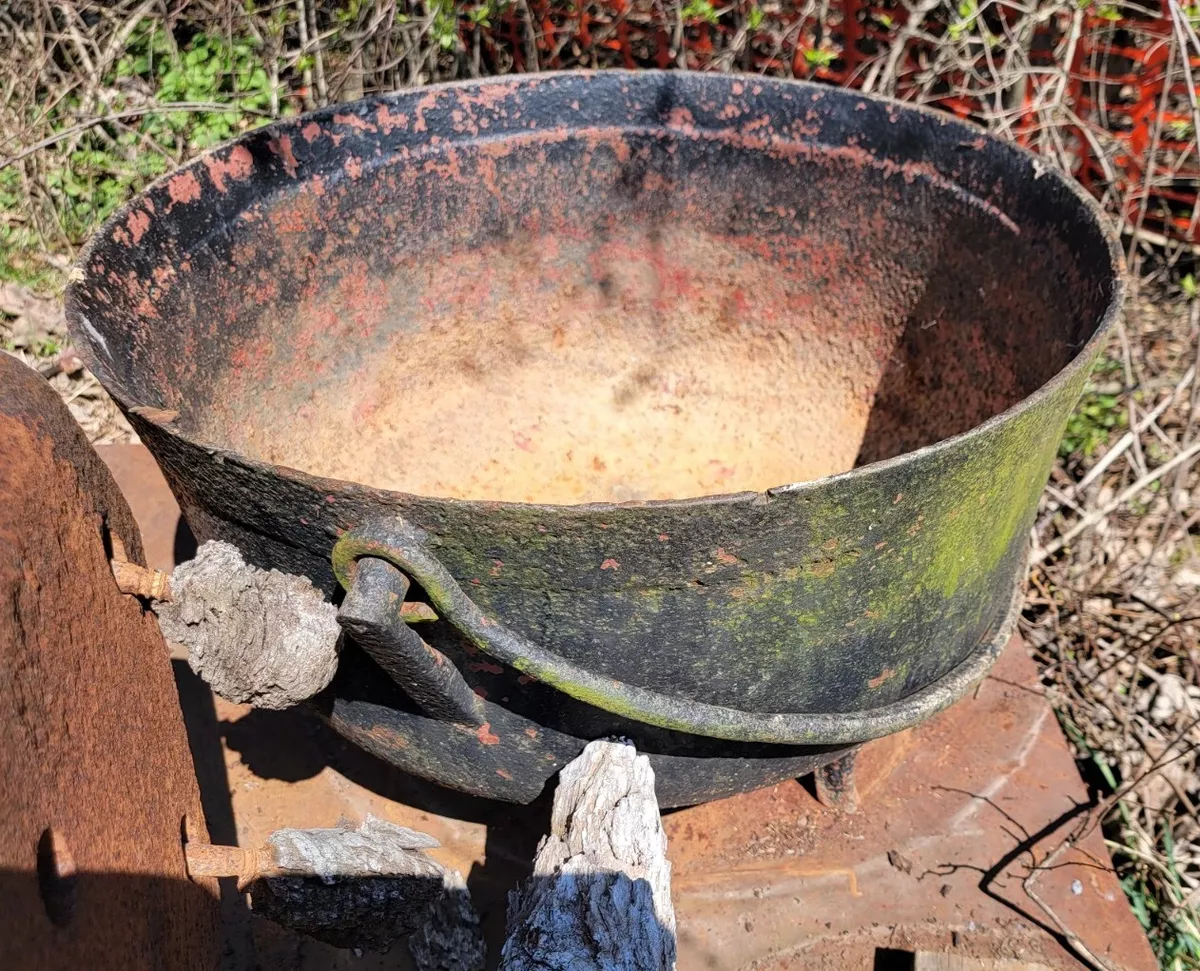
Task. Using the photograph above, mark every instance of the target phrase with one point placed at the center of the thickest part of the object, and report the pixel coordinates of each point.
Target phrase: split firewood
(451, 939)
(352, 888)
(600, 895)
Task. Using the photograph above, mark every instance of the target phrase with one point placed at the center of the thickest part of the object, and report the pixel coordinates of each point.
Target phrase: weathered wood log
(259, 637)
(451, 939)
(366, 887)
(262, 637)
(600, 895)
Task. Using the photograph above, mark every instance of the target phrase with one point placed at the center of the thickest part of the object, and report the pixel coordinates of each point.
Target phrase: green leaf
(699, 10)
(1188, 286)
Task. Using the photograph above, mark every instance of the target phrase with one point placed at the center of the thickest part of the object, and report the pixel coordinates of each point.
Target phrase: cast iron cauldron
(549, 345)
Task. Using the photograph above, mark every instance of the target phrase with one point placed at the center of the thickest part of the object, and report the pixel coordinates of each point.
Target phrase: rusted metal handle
(373, 615)
(403, 545)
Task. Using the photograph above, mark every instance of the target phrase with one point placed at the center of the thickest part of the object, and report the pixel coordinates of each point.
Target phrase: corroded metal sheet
(96, 782)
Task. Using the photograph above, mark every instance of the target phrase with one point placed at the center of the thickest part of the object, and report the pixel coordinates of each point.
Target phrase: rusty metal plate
(953, 814)
(96, 781)
(763, 882)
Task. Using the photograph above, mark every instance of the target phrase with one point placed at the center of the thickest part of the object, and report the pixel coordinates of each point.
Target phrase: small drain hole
(56, 877)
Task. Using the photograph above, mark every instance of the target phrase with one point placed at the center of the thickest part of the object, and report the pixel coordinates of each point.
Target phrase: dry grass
(1113, 609)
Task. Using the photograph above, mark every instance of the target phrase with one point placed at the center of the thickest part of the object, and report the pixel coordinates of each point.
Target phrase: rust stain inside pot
(605, 315)
(569, 370)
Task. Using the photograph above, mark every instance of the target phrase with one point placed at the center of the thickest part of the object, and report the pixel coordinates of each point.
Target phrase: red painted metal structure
(1119, 68)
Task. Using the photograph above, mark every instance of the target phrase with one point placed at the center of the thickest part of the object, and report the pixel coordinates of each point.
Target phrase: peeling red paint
(485, 735)
(353, 121)
(610, 564)
(884, 676)
(184, 187)
(487, 667)
(138, 222)
(504, 774)
(311, 132)
(389, 122)
(238, 165)
(282, 146)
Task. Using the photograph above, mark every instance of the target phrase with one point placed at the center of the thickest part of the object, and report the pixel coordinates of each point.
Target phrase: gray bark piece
(451, 939)
(365, 887)
(600, 895)
(256, 636)
(376, 849)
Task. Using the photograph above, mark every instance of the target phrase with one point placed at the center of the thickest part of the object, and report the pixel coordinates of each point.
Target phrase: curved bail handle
(373, 614)
(403, 545)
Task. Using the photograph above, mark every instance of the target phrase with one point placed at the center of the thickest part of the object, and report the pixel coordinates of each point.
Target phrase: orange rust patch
(184, 187)
(885, 675)
(238, 166)
(486, 736)
(138, 222)
(389, 122)
(282, 146)
(386, 736)
(727, 558)
(311, 132)
(821, 569)
(353, 121)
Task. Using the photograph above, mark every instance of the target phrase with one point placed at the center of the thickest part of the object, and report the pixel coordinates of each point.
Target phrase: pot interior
(606, 311)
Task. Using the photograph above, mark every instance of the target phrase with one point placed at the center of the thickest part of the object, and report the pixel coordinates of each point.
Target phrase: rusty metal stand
(97, 792)
(950, 816)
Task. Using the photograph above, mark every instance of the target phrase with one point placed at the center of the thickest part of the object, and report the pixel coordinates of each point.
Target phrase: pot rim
(85, 333)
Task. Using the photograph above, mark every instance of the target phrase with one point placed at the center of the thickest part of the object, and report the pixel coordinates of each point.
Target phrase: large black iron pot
(609, 314)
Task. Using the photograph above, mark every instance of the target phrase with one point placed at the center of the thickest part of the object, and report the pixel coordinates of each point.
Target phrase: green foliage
(444, 28)
(108, 164)
(701, 10)
(1095, 418)
(1109, 12)
(481, 14)
(46, 347)
(965, 14)
(818, 58)
(1188, 285)
(754, 17)
(19, 242)
(210, 69)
